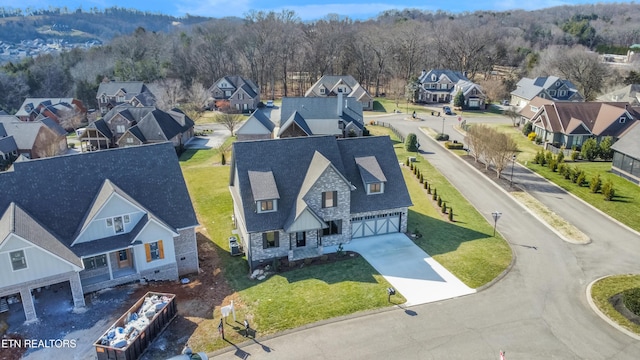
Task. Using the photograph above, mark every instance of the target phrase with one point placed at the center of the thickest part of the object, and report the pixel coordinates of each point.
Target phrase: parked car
(269, 103)
(447, 110)
(187, 354)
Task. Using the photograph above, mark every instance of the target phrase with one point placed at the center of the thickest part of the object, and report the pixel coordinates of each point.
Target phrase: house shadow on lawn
(441, 236)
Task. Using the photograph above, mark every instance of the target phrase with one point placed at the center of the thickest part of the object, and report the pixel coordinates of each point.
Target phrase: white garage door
(375, 225)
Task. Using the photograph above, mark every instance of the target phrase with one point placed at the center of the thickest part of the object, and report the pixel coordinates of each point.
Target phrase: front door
(124, 258)
(301, 239)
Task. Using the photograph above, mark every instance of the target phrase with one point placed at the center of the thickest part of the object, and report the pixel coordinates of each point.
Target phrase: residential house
(626, 155)
(68, 112)
(441, 86)
(314, 192)
(35, 139)
(257, 127)
(332, 85)
(113, 93)
(307, 116)
(236, 92)
(8, 148)
(114, 217)
(127, 125)
(629, 93)
(531, 109)
(548, 87)
(568, 124)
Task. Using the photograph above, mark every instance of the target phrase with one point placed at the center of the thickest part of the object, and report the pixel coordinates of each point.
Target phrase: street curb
(602, 315)
(514, 199)
(574, 196)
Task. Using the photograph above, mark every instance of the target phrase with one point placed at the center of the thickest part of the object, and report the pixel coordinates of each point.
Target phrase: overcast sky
(305, 9)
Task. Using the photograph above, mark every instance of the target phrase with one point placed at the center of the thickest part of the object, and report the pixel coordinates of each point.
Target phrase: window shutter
(147, 249)
(335, 199)
(264, 240)
(160, 249)
(276, 236)
(324, 199)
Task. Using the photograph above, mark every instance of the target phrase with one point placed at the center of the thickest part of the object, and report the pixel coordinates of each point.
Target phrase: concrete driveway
(410, 270)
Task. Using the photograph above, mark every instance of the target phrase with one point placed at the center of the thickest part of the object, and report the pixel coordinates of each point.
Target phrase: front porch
(108, 269)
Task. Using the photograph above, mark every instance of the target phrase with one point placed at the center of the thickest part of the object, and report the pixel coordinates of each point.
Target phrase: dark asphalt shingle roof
(150, 174)
(263, 185)
(290, 161)
(370, 170)
(8, 144)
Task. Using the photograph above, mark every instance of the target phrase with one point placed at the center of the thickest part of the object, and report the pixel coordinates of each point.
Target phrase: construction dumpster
(129, 336)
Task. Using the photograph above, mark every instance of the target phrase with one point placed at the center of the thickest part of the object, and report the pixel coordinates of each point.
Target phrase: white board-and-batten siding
(152, 233)
(115, 206)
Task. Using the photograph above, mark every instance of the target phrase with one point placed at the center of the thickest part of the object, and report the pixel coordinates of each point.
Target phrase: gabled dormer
(372, 176)
(264, 191)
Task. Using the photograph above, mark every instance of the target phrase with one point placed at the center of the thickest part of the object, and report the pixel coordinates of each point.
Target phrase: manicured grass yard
(465, 247)
(606, 288)
(282, 301)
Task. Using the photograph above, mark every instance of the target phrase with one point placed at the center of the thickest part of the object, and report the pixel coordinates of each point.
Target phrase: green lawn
(625, 207)
(388, 105)
(465, 247)
(283, 301)
(605, 288)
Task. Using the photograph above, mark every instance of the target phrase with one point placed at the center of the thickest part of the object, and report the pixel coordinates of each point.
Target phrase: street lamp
(496, 215)
(513, 161)
(442, 126)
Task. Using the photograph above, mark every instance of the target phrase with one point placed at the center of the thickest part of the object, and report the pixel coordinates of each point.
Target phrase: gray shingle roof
(25, 132)
(263, 185)
(101, 126)
(150, 174)
(32, 103)
(454, 76)
(629, 144)
(370, 170)
(8, 144)
(297, 119)
(263, 119)
(130, 87)
(529, 88)
(3, 132)
(322, 108)
(290, 162)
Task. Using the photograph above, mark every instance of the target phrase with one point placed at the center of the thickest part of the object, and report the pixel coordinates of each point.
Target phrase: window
(552, 92)
(129, 140)
(120, 129)
(122, 255)
(622, 120)
(329, 199)
(127, 219)
(375, 188)
(18, 260)
(120, 98)
(117, 223)
(95, 262)
(270, 239)
(339, 90)
(103, 98)
(321, 90)
(562, 93)
(534, 108)
(154, 251)
(266, 206)
(335, 228)
(227, 93)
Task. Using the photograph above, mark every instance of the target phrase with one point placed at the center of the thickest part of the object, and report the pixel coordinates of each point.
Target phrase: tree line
(285, 55)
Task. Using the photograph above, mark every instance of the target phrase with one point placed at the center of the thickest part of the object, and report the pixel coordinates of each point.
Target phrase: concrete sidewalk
(411, 271)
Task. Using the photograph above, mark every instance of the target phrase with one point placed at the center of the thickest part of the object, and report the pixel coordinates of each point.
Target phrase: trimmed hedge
(454, 146)
(631, 299)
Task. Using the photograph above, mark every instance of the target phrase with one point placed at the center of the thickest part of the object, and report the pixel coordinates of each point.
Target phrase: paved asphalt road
(537, 311)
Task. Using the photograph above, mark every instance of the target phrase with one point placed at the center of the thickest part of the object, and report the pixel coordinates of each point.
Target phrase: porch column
(27, 305)
(109, 266)
(76, 290)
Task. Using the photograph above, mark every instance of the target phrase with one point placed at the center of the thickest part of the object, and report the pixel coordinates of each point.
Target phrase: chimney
(339, 104)
(424, 72)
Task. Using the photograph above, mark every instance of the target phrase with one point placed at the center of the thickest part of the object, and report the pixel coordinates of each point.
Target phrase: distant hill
(80, 26)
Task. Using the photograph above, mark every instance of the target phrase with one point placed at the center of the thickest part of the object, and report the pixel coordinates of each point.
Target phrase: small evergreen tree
(458, 100)
(411, 143)
(428, 188)
(426, 185)
(596, 184)
(421, 179)
(560, 157)
(574, 155)
(605, 151)
(527, 129)
(444, 207)
(223, 161)
(407, 163)
(589, 149)
(435, 194)
(581, 178)
(439, 201)
(608, 191)
(451, 214)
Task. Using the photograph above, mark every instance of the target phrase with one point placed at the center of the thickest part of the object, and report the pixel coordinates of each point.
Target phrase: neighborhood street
(539, 310)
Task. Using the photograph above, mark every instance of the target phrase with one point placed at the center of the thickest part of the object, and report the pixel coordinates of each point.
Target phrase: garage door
(375, 225)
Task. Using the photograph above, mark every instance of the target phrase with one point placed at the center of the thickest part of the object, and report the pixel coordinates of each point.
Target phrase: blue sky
(305, 9)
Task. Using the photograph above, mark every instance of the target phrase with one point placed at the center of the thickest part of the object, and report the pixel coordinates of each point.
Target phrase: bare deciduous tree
(229, 118)
(169, 93)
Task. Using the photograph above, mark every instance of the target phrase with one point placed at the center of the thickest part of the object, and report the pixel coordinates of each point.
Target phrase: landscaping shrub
(560, 156)
(553, 165)
(435, 194)
(596, 184)
(590, 149)
(454, 145)
(426, 185)
(568, 173)
(411, 143)
(538, 139)
(574, 155)
(450, 214)
(223, 161)
(605, 151)
(531, 136)
(608, 191)
(574, 175)
(527, 129)
(439, 201)
(539, 158)
(428, 188)
(582, 177)
(562, 169)
(407, 163)
(421, 179)
(442, 137)
(444, 207)
(411, 167)
(308, 261)
(548, 156)
(631, 299)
